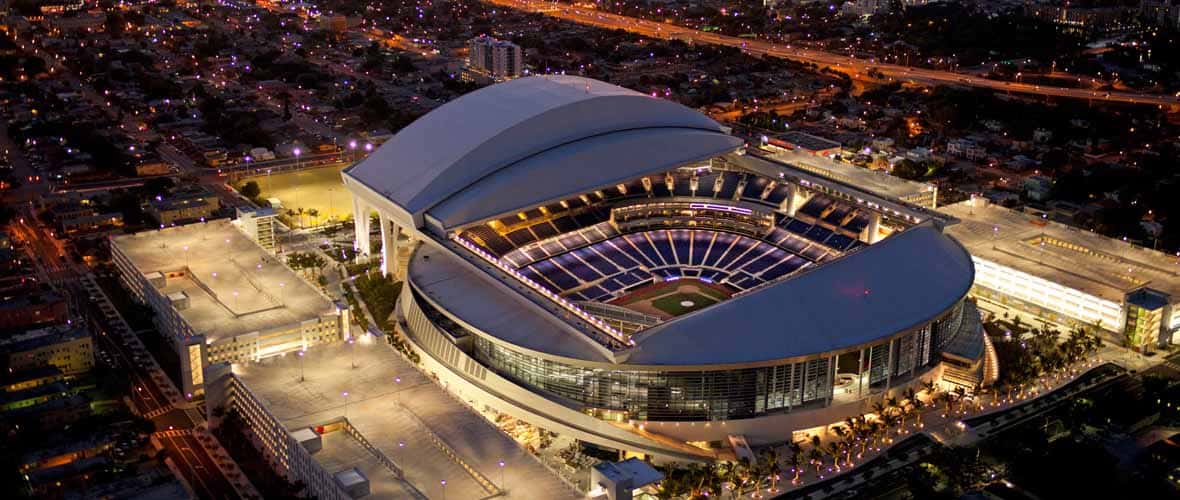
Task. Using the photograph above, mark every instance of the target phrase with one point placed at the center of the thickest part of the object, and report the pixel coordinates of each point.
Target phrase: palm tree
(929, 387)
(918, 406)
(879, 408)
(731, 473)
(743, 476)
(834, 449)
(876, 428)
(314, 214)
(773, 467)
(815, 457)
(846, 447)
(960, 395)
(906, 411)
(796, 459)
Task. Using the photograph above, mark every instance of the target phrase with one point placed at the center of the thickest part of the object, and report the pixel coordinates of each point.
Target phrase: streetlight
(300, 354)
(352, 149)
(352, 349)
(444, 489)
(501, 464)
(345, 404)
(398, 380)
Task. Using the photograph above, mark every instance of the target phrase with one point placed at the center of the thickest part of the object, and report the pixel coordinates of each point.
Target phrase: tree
(796, 459)
(251, 190)
(909, 169)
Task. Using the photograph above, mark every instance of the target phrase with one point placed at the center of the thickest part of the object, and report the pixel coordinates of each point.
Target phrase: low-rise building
(67, 347)
(27, 306)
(189, 205)
(966, 148)
(1046, 271)
(219, 296)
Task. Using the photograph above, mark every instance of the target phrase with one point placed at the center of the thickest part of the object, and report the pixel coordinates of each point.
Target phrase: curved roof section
(887, 288)
(477, 135)
(578, 167)
(911, 278)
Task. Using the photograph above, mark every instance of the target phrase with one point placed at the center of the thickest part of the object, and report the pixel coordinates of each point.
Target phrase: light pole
(401, 447)
(300, 354)
(346, 405)
(398, 381)
(501, 464)
(298, 152)
(444, 489)
(352, 349)
(352, 150)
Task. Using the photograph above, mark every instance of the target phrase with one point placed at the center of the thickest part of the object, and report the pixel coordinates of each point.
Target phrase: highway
(851, 65)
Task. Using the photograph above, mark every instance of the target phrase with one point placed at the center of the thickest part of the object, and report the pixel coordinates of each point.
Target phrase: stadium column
(796, 197)
(832, 360)
(872, 229)
(860, 379)
(360, 215)
(389, 260)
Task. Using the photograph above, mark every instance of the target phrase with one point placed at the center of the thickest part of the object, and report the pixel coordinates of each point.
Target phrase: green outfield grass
(672, 304)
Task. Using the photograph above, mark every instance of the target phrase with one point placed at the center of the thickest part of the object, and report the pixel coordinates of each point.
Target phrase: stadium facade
(620, 269)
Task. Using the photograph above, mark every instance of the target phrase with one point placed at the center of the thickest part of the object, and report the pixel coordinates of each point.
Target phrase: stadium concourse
(620, 270)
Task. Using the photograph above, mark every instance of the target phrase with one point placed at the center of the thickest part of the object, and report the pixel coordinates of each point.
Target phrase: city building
(86, 219)
(187, 205)
(967, 149)
(259, 225)
(1042, 270)
(877, 182)
(619, 269)
(30, 305)
(219, 296)
(619, 480)
(499, 59)
(65, 347)
(805, 143)
(284, 450)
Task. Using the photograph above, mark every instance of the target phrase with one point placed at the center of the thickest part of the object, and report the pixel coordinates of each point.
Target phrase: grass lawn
(672, 304)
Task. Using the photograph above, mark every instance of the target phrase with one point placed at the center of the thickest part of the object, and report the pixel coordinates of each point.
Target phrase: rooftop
(873, 181)
(639, 472)
(234, 287)
(808, 141)
(41, 337)
(1083, 260)
(396, 408)
(481, 147)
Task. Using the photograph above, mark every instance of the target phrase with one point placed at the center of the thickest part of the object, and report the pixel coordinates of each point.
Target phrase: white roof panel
(884, 289)
(476, 135)
(581, 166)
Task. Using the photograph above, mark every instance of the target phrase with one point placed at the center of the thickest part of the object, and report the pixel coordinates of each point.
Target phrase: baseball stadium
(620, 269)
